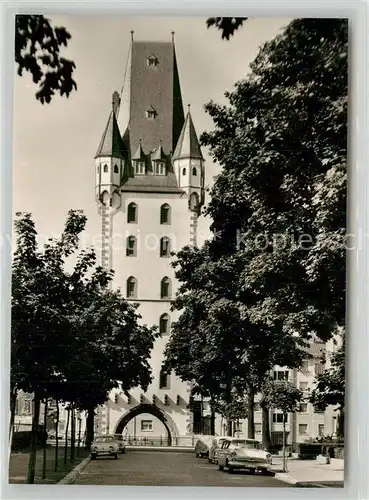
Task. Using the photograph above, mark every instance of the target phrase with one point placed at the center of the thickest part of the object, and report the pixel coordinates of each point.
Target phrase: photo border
(357, 415)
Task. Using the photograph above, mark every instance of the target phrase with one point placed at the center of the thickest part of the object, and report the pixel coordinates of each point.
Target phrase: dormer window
(151, 113)
(139, 167)
(152, 61)
(159, 168)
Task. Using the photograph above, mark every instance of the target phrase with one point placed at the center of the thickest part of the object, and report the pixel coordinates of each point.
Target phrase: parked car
(202, 446)
(216, 444)
(104, 446)
(119, 439)
(244, 454)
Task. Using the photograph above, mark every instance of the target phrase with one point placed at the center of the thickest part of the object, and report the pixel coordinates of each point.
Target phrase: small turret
(188, 164)
(109, 159)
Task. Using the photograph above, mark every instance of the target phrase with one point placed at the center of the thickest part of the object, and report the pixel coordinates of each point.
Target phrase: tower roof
(188, 144)
(111, 143)
(158, 154)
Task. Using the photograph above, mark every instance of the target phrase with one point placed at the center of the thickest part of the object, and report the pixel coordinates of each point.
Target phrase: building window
(305, 366)
(321, 430)
(238, 426)
(152, 61)
(131, 287)
(303, 408)
(132, 212)
(27, 407)
(281, 375)
(151, 114)
(139, 167)
(146, 425)
(278, 418)
(319, 408)
(131, 249)
(194, 171)
(165, 214)
(319, 368)
(105, 168)
(304, 386)
(184, 171)
(165, 288)
(116, 169)
(303, 429)
(159, 168)
(163, 380)
(164, 324)
(164, 247)
(258, 428)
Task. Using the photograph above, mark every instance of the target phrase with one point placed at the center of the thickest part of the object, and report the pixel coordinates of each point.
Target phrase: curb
(286, 478)
(74, 473)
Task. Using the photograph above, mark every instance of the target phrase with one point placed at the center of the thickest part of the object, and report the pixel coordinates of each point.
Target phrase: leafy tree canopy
(37, 51)
(227, 25)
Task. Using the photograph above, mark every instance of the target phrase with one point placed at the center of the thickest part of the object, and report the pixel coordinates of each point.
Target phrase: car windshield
(250, 445)
(104, 439)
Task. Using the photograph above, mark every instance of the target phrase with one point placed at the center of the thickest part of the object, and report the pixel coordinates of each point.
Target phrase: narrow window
(139, 167)
(165, 288)
(159, 168)
(116, 169)
(163, 380)
(105, 168)
(164, 324)
(184, 171)
(164, 247)
(131, 287)
(165, 214)
(131, 247)
(132, 212)
(194, 171)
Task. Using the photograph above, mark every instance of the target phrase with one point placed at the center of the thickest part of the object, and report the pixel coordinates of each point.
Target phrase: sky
(54, 144)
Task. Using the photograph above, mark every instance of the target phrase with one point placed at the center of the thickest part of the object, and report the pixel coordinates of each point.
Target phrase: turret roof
(158, 154)
(188, 144)
(139, 154)
(111, 143)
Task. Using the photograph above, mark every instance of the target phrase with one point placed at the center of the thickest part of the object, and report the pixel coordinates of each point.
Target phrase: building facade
(149, 189)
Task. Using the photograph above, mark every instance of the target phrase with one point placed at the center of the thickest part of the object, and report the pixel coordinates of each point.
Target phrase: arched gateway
(166, 420)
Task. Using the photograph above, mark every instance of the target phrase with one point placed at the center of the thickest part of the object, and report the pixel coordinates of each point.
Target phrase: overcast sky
(54, 144)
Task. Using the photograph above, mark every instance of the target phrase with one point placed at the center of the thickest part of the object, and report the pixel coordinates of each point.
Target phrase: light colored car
(202, 446)
(216, 445)
(119, 439)
(244, 454)
(104, 446)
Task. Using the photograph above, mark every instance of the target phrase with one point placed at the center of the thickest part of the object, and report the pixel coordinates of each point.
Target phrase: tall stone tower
(149, 191)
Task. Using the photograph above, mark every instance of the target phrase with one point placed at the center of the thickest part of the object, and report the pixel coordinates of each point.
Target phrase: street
(161, 468)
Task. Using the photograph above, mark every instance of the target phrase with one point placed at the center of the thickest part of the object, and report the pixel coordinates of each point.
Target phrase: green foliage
(227, 25)
(281, 395)
(330, 386)
(37, 51)
(237, 409)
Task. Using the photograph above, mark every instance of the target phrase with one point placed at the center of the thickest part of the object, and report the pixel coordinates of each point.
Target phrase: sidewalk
(19, 466)
(309, 473)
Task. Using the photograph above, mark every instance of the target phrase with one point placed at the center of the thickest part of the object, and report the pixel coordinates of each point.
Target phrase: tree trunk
(44, 444)
(229, 428)
(13, 403)
(341, 423)
(32, 456)
(73, 434)
(79, 434)
(266, 441)
(250, 413)
(66, 437)
(90, 426)
(212, 423)
(284, 443)
(56, 437)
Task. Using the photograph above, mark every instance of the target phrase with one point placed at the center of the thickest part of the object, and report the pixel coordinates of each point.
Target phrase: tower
(149, 200)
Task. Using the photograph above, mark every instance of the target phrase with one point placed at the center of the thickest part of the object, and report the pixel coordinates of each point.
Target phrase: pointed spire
(132, 33)
(139, 154)
(158, 154)
(172, 33)
(188, 144)
(115, 102)
(111, 143)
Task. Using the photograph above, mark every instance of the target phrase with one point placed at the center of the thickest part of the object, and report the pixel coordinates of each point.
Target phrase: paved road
(155, 468)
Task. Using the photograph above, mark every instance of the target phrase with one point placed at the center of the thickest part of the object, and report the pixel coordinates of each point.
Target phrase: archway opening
(139, 424)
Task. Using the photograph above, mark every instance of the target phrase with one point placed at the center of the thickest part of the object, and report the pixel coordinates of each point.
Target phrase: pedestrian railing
(185, 441)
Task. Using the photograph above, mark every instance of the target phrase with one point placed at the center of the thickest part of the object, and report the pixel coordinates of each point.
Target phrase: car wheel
(93, 456)
(252, 471)
(210, 461)
(197, 455)
(220, 467)
(116, 456)
(230, 470)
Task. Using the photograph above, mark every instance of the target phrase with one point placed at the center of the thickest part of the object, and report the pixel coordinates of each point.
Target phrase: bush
(309, 451)
(22, 440)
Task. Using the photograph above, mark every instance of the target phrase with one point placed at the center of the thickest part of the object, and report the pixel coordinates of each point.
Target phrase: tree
(37, 51)
(330, 386)
(282, 395)
(227, 25)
